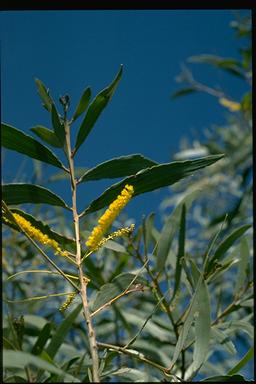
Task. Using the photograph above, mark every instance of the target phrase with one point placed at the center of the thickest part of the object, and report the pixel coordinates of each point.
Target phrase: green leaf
(182, 92)
(181, 250)
(168, 232)
(243, 265)
(18, 359)
(133, 375)
(152, 178)
(226, 244)
(220, 337)
(47, 135)
(63, 240)
(190, 313)
(118, 285)
(118, 167)
(95, 109)
(30, 193)
(61, 332)
(83, 103)
(57, 125)
(42, 339)
(16, 140)
(225, 379)
(35, 321)
(202, 330)
(44, 95)
(148, 225)
(228, 64)
(247, 357)
(61, 175)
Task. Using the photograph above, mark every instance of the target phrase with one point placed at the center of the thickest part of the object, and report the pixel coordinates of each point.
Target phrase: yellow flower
(233, 106)
(118, 233)
(38, 235)
(109, 216)
(67, 303)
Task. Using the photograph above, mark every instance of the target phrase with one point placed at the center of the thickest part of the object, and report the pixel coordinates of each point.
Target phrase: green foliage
(165, 304)
(18, 141)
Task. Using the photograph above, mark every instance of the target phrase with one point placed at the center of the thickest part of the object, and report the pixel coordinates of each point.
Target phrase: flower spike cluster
(109, 216)
(120, 232)
(38, 235)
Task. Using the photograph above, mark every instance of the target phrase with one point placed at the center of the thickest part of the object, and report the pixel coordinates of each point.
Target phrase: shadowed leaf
(16, 140)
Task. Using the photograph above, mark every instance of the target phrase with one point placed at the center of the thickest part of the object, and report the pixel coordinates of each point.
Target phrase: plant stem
(83, 280)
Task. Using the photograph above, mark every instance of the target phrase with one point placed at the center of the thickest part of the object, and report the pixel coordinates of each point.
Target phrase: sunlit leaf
(225, 379)
(245, 359)
(116, 287)
(44, 95)
(19, 359)
(243, 265)
(83, 103)
(152, 178)
(226, 244)
(95, 109)
(118, 167)
(169, 230)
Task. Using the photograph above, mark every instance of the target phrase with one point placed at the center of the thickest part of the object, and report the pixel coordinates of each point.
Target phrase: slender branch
(137, 355)
(83, 280)
(166, 306)
(137, 287)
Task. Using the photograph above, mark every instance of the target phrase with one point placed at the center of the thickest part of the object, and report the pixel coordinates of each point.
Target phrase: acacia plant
(86, 263)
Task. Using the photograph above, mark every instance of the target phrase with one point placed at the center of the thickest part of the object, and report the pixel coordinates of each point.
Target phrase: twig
(83, 280)
(127, 290)
(139, 356)
(40, 250)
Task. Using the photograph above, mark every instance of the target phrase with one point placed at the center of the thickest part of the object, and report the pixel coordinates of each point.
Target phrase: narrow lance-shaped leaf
(42, 339)
(152, 178)
(30, 193)
(16, 140)
(95, 109)
(182, 92)
(19, 359)
(202, 330)
(83, 103)
(118, 167)
(170, 228)
(61, 332)
(181, 250)
(44, 228)
(226, 244)
(225, 379)
(187, 323)
(57, 125)
(118, 285)
(47, 135)
(44, 95)
(228, 64)
(245, 359)
(243, 265)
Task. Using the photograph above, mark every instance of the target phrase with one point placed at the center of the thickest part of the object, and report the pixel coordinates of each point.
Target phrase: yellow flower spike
(109, 216)
(233, 106)
(67, 303)
(118, 233)
(38, 235)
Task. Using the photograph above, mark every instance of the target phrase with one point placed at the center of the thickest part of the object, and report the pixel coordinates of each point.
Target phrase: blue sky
(69, 50)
